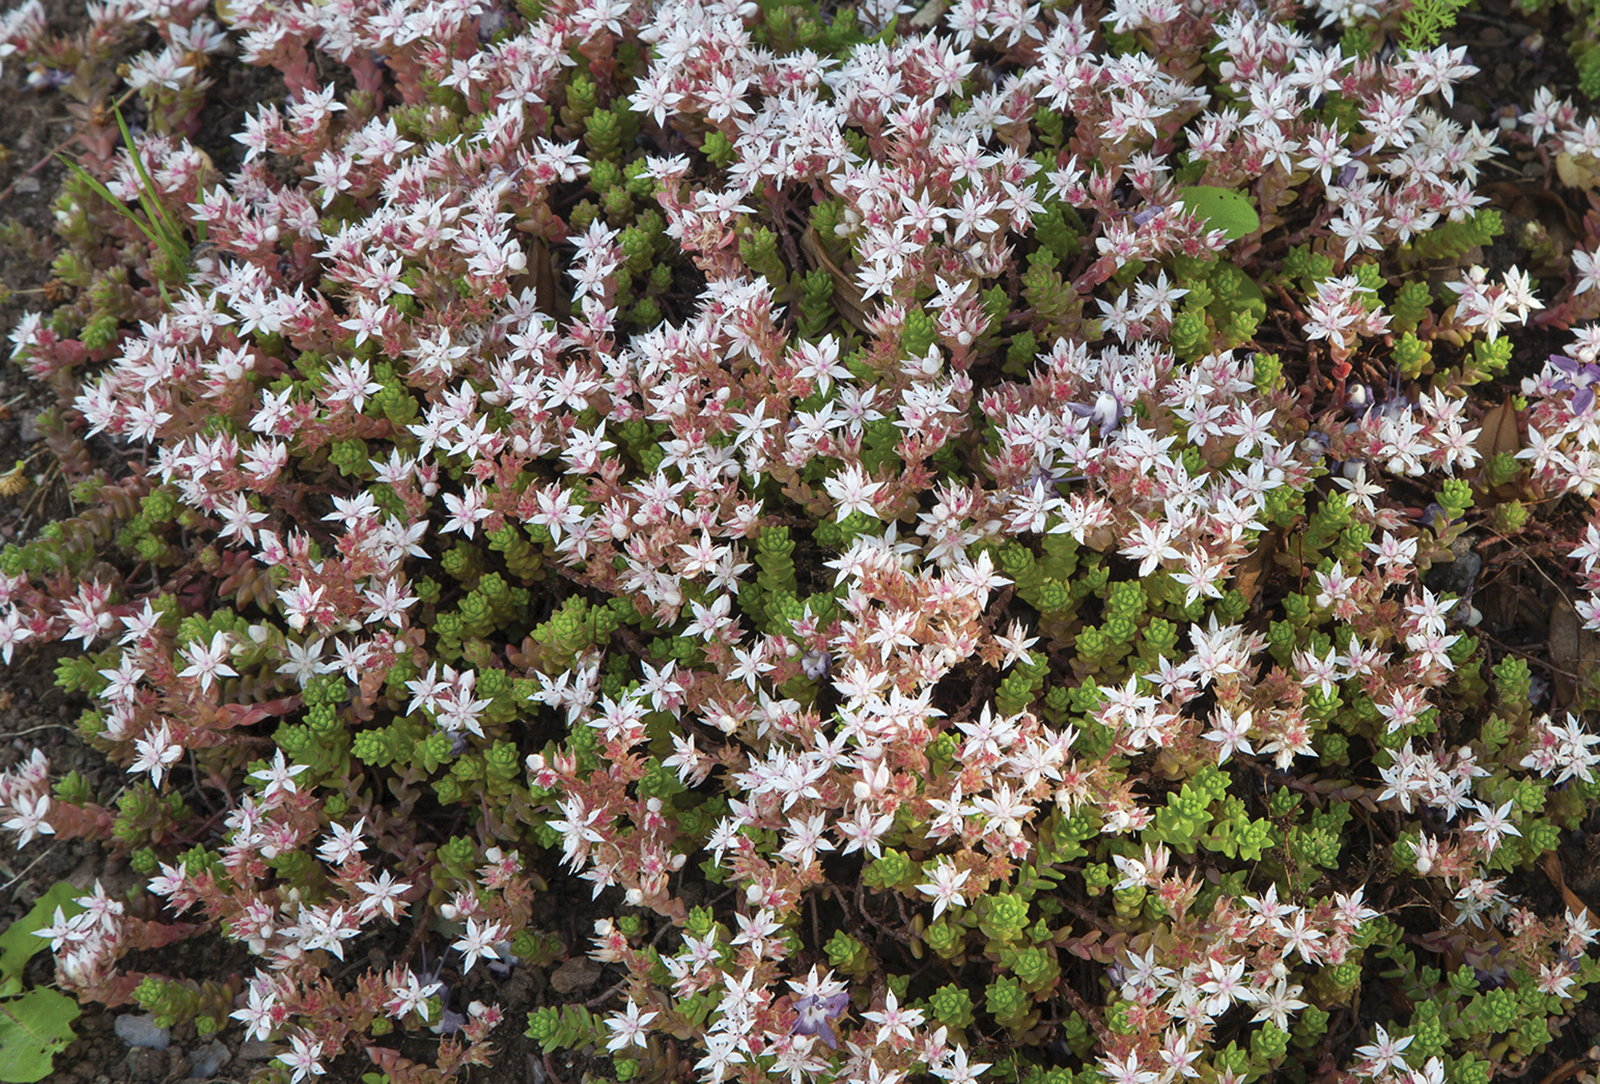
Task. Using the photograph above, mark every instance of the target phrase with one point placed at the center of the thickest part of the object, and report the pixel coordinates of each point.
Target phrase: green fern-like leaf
(1427, 20)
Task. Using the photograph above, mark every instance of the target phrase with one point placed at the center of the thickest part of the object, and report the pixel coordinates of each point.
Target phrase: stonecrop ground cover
(924, 514)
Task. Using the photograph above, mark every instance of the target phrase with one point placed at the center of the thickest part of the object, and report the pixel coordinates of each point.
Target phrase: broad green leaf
(20, 942)
(34, 1028)
(1222, 209)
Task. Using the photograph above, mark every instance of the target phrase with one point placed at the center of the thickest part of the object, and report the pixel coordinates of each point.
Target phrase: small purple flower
(491, 23)
(1146, 215)
(1428, 513)
(815, 1013)
(1107, 410)
(1564, 363)
(1579, 379)
(48, 79)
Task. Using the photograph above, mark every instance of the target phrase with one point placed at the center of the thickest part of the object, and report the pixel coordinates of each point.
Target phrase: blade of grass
(152, 206)
(105, 193)
(177, 254)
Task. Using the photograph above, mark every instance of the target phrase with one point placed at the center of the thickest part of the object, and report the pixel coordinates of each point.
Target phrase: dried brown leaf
(1498, 433)
(1248, 573)
(846, 295)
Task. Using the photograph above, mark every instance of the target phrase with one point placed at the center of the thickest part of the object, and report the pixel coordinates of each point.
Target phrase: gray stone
(258, 1050)
(1458, 576)
(578, 973)
(139, 1030)
(205, 1061)
(146, 1066)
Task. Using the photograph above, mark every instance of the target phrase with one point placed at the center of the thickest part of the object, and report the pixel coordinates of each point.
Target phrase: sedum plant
(963, 482)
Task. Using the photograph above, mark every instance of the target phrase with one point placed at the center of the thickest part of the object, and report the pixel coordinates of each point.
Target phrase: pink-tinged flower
(64, 931)
(1493, 823)
(154, 753)
(1231, 733)
(279, 777)
(862, 829)
(239, 519)
(86, 613)
(804, 839)
(208, 662)
(1126, 1070)
(958, 1070)
(29, 818)
(1352, 909)
(1275, 1003)
(1015, 643)
(945, 886)
(1226, 985)
(13, 631)
(175, 884)
(722, 1051)
(1298, 937)
(341, 844)
(479, 942)
(409, 995)
(349, 381)
(383, 895)
(1152, 545)
(628, 1028)
(99, 909)
(303, 1058)
(894, 1023)
(654, 97)
(1384, 1053)
(1325, 153)
(262, 1012)
(853, 492)
(1556, 981)
(300, 602)
(325, 928)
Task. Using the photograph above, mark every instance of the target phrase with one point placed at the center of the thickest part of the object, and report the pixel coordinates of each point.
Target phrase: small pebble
(578, 973)
(205, 1061)
(27, 185)
(139, 1029)
(258, 1050)
(146, 1066)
